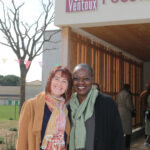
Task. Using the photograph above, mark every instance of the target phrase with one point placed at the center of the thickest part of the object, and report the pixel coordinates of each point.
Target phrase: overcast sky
(8, 63)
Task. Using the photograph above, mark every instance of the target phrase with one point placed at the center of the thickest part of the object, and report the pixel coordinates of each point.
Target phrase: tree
(1, 80)
(9, 80)
(25, 40)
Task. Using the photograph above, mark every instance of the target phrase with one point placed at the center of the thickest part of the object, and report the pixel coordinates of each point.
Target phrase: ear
(92, 79)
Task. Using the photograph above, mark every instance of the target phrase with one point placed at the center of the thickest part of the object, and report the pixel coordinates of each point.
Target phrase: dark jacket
(108, 128)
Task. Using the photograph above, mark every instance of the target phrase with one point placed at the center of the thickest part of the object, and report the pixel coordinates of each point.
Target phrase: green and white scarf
(79, 114)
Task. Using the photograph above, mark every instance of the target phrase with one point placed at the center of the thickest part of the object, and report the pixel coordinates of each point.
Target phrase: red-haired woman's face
(59, 85)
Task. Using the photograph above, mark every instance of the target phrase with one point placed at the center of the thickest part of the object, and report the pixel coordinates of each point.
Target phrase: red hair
(64, 73)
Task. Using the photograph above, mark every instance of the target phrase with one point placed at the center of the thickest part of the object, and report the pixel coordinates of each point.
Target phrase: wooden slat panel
(133, 38)
(111, 69)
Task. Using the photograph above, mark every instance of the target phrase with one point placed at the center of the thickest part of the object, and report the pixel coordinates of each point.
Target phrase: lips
(58, 89)
(81, 88)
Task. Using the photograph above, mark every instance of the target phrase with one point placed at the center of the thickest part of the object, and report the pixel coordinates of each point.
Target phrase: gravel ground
(6, 133)
(138, 144)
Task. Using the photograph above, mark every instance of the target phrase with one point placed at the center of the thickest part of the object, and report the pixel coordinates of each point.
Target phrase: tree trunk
(23, 73)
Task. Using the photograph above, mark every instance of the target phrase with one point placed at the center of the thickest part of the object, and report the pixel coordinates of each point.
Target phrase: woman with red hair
(43, 123)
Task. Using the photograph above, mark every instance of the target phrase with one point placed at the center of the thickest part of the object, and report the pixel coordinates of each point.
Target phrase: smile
(81, 88)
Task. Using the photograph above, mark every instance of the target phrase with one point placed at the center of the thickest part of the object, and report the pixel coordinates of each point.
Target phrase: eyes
(60, 79)
(76, 79)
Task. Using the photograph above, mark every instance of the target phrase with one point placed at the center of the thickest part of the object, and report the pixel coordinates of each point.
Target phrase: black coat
(108, 128)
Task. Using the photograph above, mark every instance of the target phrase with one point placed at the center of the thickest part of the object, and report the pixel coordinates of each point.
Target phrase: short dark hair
(126, 86)
(65, 73)
(85, 66)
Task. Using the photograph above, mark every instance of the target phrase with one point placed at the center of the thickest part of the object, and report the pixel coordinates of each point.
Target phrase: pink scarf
(54, 133)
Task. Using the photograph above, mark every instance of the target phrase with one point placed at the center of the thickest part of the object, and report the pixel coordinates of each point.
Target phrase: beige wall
(10, 90)
(51, 57)
(32, 91)
(13, 93)
(129, 12)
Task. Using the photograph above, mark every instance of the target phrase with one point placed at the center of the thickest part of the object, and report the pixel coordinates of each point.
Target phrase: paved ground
(138, 144)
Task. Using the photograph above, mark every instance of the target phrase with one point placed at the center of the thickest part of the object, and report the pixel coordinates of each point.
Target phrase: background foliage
(9, 80)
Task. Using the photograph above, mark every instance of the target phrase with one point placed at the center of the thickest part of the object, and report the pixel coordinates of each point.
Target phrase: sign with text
(80, 5)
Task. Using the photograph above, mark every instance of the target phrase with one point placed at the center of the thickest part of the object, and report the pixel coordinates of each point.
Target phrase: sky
(8, 63)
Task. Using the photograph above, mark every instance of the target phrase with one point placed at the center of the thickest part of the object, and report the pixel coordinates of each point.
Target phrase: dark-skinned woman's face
(82, 81)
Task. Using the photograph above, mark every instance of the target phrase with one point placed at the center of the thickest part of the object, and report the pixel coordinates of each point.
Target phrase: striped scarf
(54, 133)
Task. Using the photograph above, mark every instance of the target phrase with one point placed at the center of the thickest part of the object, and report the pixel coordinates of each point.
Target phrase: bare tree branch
(46, 50)
(24, 39)
(5, 44)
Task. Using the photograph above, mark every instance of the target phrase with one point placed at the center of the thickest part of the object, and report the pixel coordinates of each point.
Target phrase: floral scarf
(54, 133)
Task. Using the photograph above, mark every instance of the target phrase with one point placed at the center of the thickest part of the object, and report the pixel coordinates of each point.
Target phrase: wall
(10, 101)
(146, 73)
(9, 94)
(110, 13)
(32, 90)
(51, 57)
(102, 42)
(12, 93)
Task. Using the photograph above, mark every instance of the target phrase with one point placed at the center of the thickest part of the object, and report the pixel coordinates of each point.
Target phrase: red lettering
(103, 1)
(124, 0)
(114, 1)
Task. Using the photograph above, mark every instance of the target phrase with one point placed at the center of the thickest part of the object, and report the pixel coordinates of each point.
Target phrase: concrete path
(138, 144)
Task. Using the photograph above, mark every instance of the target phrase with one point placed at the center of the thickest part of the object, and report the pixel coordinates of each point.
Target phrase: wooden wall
(111, 69)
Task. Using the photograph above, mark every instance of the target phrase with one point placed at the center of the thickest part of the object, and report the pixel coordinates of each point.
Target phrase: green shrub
(13, 129)
(1, 140)
(11, 118)
(10, 142)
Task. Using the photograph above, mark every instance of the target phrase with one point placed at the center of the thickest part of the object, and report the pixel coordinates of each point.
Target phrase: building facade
(110, 35)
(10, 95)
(51, 54)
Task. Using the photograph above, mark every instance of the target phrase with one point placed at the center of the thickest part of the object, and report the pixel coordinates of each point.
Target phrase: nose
(81, 81)
(59, 83)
